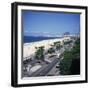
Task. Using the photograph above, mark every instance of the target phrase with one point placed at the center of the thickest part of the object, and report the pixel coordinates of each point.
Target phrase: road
(45, 69)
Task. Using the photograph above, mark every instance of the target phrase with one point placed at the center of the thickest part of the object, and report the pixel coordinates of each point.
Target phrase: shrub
(71, 62)
(39, 54)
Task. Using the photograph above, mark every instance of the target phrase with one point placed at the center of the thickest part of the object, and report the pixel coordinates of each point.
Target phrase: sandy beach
(29, 48)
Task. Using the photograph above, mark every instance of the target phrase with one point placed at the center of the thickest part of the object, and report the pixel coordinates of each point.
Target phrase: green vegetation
(57, 45)
(39, 54)
(67, 42)
(71, 60)
(51, 50)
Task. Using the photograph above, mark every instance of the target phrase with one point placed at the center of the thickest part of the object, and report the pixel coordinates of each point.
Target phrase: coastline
(29, 48)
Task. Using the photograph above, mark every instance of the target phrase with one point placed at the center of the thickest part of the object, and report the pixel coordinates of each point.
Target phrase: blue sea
(28, 39)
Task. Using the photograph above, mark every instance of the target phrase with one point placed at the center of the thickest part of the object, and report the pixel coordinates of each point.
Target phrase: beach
(29, 49)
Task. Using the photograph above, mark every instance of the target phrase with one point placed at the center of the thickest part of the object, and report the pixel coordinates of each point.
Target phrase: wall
(5, 46)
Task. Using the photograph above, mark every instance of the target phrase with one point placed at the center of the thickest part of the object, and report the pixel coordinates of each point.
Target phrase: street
(45, 69)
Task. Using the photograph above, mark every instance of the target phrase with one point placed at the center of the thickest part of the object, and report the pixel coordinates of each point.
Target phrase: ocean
(28, 39)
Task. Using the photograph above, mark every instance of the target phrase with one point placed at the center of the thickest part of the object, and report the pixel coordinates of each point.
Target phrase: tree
(51, 50)
(75, 66)
(57, 45)
(71, 62)
(67, 42)
(65, 64)
(39, 54)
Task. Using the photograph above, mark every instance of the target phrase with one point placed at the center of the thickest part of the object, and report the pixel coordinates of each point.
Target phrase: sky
(39, 23)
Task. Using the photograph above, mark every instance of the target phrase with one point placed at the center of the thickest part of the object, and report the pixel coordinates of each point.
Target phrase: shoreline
(29, 48)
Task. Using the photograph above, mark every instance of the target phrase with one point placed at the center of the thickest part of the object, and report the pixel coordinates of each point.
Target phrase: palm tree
(51, 50)
(57, 45)
(39, 54)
